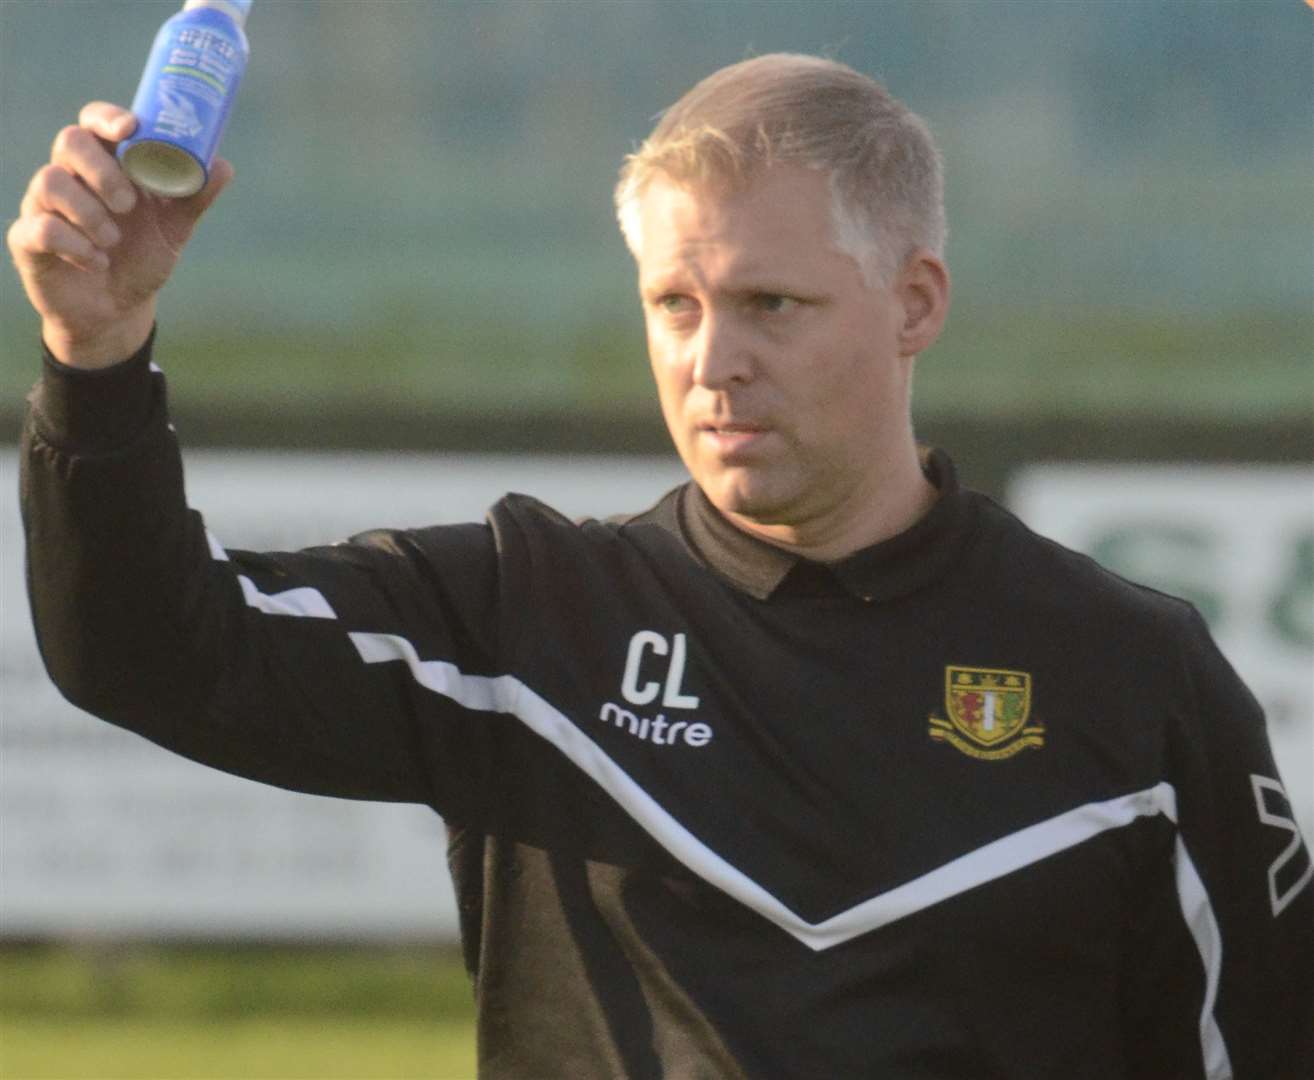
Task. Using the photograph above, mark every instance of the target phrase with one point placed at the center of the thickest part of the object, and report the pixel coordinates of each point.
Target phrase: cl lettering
(673, 696)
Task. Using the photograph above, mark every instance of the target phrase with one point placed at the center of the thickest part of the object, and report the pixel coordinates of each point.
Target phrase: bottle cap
(237, 10)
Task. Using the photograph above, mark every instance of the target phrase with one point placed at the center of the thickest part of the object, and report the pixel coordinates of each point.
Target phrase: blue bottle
(185, 95)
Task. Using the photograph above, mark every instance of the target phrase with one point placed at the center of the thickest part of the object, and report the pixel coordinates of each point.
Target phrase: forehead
(782, 219)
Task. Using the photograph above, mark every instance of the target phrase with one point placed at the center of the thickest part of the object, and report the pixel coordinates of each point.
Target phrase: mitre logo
(649, 655)
(987, 712)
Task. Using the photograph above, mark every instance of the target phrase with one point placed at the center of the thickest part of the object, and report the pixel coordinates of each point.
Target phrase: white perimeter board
(103, 833)
(1236, 540)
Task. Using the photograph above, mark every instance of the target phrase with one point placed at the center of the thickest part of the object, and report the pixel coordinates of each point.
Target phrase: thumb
(221, 174)
(178, 217)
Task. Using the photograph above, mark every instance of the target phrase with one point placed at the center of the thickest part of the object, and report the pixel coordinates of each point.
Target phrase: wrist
(95, 410)
(104, 348)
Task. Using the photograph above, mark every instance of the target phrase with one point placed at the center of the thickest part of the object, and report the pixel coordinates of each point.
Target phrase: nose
(722, 356)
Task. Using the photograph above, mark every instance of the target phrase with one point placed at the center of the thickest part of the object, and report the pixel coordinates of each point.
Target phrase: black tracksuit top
(962, 805)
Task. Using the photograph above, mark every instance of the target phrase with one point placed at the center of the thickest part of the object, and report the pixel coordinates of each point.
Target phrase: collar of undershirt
(891, 568)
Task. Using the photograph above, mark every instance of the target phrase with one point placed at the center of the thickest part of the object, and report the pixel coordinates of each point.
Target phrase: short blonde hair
(885, 172)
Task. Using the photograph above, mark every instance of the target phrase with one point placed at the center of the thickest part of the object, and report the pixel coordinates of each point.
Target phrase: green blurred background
(419, 252)
(419, 249)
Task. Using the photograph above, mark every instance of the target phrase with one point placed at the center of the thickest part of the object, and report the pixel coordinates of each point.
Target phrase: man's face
(780, 371)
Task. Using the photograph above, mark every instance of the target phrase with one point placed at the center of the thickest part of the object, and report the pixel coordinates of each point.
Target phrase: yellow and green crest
(987, 710)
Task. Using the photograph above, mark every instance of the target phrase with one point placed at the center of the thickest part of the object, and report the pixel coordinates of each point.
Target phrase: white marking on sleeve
(1200, 920)
(1277, 898)
(217, 551)
(477, 692)
(303, 602)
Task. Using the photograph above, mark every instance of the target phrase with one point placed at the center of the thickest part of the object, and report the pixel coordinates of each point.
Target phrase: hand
(92, 250)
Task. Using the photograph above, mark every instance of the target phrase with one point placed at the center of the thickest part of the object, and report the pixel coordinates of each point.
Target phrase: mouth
(730, 438)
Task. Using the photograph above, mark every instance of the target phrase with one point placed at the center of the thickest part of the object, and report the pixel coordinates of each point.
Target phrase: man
(821, 767)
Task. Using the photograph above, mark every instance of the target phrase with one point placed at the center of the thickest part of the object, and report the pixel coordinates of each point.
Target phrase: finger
(112, 123)
(80, 151)
(46, 236)
(107, 121)
(54, 189)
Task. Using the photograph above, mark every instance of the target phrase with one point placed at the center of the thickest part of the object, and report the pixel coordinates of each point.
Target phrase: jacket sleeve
(267, 666)
(1243, 877)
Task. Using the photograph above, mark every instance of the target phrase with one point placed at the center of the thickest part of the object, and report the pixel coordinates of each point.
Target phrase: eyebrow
(663, 285)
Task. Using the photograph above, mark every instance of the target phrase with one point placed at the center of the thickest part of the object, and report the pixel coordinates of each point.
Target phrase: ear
(922, 289)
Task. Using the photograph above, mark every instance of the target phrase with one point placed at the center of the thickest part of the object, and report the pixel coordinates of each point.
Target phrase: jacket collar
(890, 568)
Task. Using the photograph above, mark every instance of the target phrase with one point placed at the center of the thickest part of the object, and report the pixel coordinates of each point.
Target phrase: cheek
(671, 391)
(658, 349)
(838, 378)
(664, 362)
(843, 400)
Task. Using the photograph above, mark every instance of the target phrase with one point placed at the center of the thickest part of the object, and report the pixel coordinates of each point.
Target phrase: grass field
(123, 1013)
(1001, 363)
(279, 1048)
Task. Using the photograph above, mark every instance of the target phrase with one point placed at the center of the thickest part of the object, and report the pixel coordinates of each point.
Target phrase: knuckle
(51, 187)
(14, 237)
(47, 232)
(46, 181)
(40, 231)
(69, 138)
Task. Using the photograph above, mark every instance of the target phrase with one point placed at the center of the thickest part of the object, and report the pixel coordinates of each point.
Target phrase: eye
(774, 303)
(675, 304)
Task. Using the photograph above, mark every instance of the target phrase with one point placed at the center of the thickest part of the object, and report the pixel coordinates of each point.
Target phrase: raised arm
(282, 667)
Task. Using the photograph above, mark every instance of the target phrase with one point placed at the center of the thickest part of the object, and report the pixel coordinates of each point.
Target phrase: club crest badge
(987, 712)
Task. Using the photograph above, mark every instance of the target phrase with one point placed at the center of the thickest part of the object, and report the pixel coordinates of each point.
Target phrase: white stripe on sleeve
(1200, 920)
(304, 602)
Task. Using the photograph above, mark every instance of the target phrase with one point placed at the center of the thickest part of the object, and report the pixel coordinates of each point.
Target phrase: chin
(740, 496)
